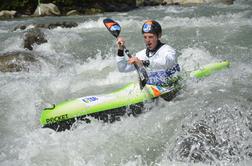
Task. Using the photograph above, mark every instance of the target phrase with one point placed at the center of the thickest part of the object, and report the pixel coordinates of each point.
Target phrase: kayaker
(158, 58)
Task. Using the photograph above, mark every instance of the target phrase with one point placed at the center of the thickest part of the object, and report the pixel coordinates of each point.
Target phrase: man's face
(150, 40)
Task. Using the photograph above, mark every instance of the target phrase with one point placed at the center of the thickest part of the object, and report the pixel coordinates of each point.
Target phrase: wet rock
(21, 27)
(16, 61)
(64, 24)
(47, 10)
(58, 24)
(7, 14)
(168, 2)
(33, 36)
(72, 13)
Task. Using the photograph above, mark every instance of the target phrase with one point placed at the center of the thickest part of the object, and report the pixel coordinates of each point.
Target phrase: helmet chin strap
(153, 51)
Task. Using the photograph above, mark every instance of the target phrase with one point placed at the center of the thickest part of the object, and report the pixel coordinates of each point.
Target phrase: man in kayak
(158, 58)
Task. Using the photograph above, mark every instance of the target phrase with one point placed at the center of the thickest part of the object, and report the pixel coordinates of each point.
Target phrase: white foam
(99, 72)
(177, 9)
(13, 44)
(92, 24)
(218, 20)
(98, 24)
(3, 31)
(194, 58)
(132, 141)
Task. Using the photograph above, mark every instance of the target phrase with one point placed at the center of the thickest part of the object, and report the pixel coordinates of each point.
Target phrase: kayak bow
(210, 69)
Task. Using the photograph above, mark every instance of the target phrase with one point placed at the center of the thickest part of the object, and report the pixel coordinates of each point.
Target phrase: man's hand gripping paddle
(114, 28)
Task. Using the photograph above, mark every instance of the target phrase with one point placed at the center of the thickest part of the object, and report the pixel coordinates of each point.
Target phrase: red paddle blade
(113, 27)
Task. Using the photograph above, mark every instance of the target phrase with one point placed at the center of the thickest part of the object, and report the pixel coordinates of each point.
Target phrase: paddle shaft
(140, 70)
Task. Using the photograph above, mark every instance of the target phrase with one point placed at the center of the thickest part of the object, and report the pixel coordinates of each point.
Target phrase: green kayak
(108, 107)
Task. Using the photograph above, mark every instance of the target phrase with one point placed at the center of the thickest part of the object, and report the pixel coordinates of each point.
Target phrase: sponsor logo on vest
(57, 118)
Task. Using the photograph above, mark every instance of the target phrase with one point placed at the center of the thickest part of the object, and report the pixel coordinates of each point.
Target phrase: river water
(209, 122)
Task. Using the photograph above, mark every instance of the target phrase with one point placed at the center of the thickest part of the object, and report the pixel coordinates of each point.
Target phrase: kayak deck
(107, 107)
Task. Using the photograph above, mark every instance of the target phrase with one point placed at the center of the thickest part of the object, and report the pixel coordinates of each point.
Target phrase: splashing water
(209, 122)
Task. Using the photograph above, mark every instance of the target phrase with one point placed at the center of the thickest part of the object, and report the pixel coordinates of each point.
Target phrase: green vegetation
(83, 6)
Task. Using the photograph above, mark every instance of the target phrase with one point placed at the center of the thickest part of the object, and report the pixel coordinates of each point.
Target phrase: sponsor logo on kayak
(89, 99)
(57, 118)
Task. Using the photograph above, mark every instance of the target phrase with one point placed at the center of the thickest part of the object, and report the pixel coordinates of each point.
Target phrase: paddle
(114, 28)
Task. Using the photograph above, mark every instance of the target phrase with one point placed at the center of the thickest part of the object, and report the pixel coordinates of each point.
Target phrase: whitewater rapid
(80, 61)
